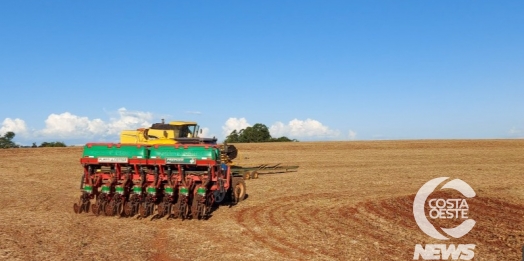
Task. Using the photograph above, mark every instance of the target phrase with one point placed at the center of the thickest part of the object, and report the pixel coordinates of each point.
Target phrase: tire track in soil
(278, 219)
(498, 232)
(398, 212)
(386, 228)
(377, 229)
(242, 218)
(276, 224)
(499, 227)
(290, 215)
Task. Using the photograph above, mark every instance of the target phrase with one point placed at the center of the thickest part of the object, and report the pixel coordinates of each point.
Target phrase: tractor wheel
(102, 207)
(128, 209)
(110, 209)
(219, 196)
(168, 210)
(76, 208)
(86, 206)
(142, 212)
(120, 208)
(239, 190)
(194, 206)
(79, 207)
(246, 175)
(175, 210)
(161, 209)
(96, 209)
(181, 209)
(184, 210)
(254, 174)
(151, 209)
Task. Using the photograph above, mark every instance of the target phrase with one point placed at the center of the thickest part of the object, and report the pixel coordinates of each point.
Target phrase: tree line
(257, 133)
(6, 141)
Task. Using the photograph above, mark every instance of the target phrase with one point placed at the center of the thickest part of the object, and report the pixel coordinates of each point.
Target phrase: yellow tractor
(164, 133)
(185, 132)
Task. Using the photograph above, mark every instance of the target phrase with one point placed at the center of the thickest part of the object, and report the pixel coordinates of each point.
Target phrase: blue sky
(313, 70)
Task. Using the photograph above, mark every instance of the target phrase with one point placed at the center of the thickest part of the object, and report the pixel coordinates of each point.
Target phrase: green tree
(282, 139)
(257, 133)
(233, 137)
(6, 141)
(53, 144)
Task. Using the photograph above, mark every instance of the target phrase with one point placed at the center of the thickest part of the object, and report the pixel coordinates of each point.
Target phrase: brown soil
(348, 201)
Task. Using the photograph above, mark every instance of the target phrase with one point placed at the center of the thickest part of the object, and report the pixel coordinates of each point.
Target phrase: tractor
(162, 171)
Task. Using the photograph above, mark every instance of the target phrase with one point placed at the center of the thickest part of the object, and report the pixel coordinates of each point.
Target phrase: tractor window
(179, 131)
(187, 131)
(183, 132)
(191, 133)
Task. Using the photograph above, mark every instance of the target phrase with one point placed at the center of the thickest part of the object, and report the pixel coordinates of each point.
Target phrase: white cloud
(67, 125)
(352, 135)
(205, 133)
(127, 120)
(17, 126)
(308, 128)
(234, 124)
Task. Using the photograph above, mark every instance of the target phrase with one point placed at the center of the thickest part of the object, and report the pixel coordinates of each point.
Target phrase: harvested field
(348, 201)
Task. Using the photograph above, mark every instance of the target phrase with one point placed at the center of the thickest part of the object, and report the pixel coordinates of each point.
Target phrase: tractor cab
(175, 129)
(161, 133)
